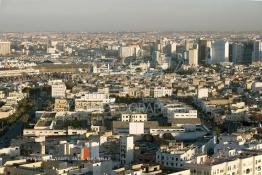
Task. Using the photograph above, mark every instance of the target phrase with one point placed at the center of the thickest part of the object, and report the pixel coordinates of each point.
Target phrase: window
(248, 171)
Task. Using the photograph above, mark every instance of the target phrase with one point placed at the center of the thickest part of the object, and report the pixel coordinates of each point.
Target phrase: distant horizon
(130, 15)
(78, 32)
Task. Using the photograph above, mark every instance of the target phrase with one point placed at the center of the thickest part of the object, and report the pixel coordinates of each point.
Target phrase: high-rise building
(193, 57)
(189, 44)
(170, 48)
(220, 52)
(257, 51)
(248, 52)
(126, 51)
(5, 48)
(242, 53)
(204, 51)
(126, 150)
(237, 52)
(161, 59)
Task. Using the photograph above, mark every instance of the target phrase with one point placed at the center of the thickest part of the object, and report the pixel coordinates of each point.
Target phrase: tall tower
(257, 51)
(5, 48)
(126, 150)
(237, 52)
(204, 51)
(220, 52)
(193, 57)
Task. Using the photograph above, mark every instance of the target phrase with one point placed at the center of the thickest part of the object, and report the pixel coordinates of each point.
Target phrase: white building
(174, 158)
(171, 47)
(179, 112)
(244, 164)
(128, 51)
(257, 86)
(161, 60)
(136, 128)
(58, 90)
(11, 151)
(147, 169)
(161, 92)
(88, 106)
(133, 117)
(220, 52)
(97, 97)
(189, 44)
(5, 48)
(184, 113)
(193, 57)
(202, 93)
(126, 150)
(96, 167)
(92, 102)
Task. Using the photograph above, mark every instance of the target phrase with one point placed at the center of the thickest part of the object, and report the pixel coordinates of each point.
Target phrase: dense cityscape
(131, 103)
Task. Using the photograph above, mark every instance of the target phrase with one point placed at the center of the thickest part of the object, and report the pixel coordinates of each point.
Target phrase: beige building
(247, 163)
(61, 105)
(193, 57)
(5, 48)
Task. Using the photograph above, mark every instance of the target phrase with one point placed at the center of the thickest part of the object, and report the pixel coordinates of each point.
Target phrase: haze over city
(130, 15)
(130, 87)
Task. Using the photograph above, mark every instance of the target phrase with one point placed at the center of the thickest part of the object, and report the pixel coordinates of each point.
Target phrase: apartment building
(133, 117)
(126, 150)
(161, 92)
(175, 157)
(58, 90)
(61, 105)
(246, 163)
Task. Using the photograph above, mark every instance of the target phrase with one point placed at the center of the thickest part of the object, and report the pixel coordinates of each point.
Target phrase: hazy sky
(130, 15)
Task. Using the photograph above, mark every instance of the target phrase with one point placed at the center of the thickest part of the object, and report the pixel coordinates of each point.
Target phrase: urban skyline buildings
(130, 87)
(129, 15)
(5, 48)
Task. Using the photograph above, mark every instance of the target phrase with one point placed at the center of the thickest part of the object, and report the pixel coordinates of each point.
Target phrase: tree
(24, 118)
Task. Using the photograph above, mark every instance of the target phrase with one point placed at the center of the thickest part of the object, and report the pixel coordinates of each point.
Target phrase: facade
(204, 51)
(242, 165)
(5, 48)
(161, 92)
(96, 97)
(257, 86)
(173, 47)
(88, 106)
(193, 57)
(133, 117)
(136, 128)
(202, 93)
(174, 158)
(58, 90)
(126, 150)
(257, 52)
(91, 102)
(126, 51)
(220, 52)
(147, 169)
(189, 44)
(237, 52)
(241, 52)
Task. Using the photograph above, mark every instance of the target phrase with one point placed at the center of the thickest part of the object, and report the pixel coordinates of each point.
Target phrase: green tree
(24, 118)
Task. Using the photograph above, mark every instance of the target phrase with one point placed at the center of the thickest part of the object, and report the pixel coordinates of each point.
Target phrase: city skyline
(129, 15)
